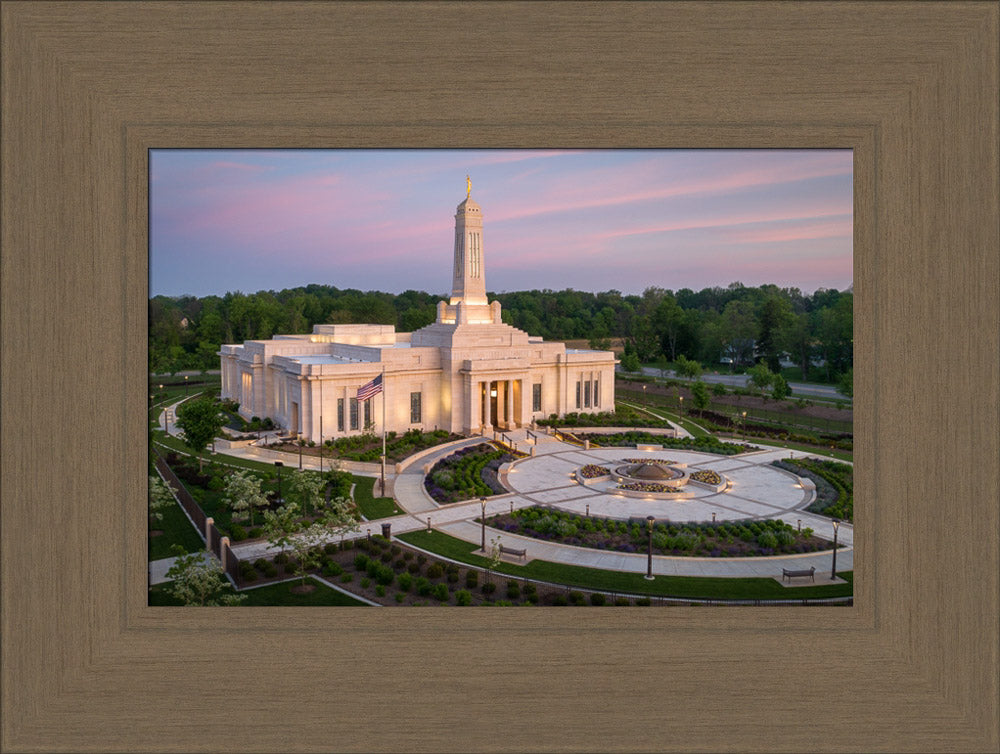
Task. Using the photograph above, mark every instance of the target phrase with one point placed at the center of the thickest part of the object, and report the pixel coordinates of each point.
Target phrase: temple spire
(468, 283)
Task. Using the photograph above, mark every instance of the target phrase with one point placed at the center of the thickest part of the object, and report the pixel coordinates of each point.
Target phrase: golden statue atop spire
(468, 187)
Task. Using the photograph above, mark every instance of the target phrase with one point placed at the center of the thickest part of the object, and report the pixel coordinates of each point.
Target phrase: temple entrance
(500, 402)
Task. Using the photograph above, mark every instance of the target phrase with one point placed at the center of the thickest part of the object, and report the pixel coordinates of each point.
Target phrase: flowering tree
(285, 530)
(243, 493)
(306, 489)
(199, 580)
(160, 498)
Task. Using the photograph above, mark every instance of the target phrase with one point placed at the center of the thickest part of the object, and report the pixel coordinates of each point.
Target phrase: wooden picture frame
(89, 87)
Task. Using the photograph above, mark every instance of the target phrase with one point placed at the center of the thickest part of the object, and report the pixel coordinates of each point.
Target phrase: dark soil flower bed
(647, 487)
(593, 471)
(706, 444)
(707, 540)
(654, 461)
(834, 484)
(393, 574)
(467, 473)
(706, 476)
(368, 447)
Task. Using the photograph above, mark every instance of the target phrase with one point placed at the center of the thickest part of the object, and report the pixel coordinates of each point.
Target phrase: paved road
(801, 389)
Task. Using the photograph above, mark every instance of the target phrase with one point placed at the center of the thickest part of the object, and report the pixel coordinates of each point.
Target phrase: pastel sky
(591, 220)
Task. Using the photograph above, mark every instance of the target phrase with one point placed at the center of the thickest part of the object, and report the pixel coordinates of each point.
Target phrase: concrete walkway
(158, 568)
(529, 483)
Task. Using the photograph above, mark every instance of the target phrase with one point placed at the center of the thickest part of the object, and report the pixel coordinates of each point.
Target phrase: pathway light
(649, 556)
(833, 570)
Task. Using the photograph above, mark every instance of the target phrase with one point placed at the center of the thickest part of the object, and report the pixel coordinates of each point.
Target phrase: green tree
(160, 498)
(201, 420)
(669, 321)
(739, 328)
(688, 368)
(198, 579)
(796, 338)
(760, 377)
(780, 389)
(699, 394)
(846, 383)
(630, 363)
(243, 493)
(775, 313)
(305, 488)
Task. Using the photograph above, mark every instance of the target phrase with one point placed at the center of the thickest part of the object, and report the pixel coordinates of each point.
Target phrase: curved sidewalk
(459, 520)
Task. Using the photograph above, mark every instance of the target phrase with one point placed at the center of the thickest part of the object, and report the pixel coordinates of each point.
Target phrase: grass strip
(279, 595)
(372, 507)
(693, 587)
(177, 529)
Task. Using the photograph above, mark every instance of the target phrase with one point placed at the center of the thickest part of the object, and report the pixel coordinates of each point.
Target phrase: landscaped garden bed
(208, 488)
(592, 473)
(655, 489)
(467, 473)
(391, 574)
(705, 444)
(834, 484)
(708, 540)
(367, 447)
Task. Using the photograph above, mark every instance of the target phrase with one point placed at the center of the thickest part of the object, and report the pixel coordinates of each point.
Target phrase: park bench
(792, 574)
(504, 550)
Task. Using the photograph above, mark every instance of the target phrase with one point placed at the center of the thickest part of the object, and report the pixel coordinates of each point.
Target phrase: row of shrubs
(461, 475)
(386, 564)
(834, 484)
(712, 539)
(622, 416)
(367, 447)
(704, 444)
(717, 422)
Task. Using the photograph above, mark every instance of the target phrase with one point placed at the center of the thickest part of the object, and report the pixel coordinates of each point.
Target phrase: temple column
(509, 396)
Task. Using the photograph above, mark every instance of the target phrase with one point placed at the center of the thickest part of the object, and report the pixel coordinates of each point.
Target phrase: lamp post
(279, 464)
(649, 548)
(482, 519)
(744, 426)
(833, 570)
(185, 384)
(681, 399)
(299, 435)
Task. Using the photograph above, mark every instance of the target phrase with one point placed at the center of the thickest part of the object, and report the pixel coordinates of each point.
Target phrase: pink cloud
(833, 229)
(722, 222)
(614, 186)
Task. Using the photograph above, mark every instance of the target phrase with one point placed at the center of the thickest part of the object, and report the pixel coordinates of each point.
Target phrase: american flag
(370, 389)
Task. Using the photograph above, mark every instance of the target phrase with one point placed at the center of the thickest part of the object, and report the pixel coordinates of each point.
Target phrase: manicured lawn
(690, 426)
(273, 595)
(177, 529)
(615, 581)
(372, 507)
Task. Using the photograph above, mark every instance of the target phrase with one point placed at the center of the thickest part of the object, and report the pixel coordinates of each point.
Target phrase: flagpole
(383, 431)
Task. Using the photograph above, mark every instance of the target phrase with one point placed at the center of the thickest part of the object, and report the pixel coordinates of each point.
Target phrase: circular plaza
(747, 486)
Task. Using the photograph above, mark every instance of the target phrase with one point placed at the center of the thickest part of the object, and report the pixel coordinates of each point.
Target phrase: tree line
(738, 325)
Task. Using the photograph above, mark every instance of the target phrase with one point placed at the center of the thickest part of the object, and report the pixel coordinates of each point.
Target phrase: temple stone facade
(468, 372)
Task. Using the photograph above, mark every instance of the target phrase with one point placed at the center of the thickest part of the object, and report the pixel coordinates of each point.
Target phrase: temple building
(468, 372)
